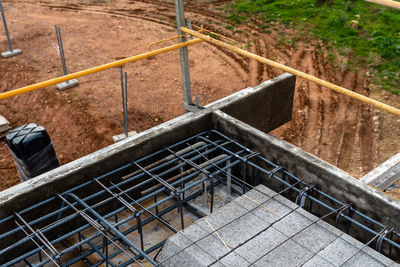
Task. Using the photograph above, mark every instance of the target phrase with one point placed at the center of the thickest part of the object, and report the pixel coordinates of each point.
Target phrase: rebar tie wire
(380, 236)
(302, 196)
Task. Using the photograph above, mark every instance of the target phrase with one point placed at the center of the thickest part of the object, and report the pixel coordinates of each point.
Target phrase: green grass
(366, 33)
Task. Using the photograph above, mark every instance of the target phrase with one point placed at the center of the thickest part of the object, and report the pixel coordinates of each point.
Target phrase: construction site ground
(348, 134)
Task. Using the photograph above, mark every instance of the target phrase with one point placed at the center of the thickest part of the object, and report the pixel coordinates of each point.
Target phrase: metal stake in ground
(12, 52)
(124, 92)
(60, 50)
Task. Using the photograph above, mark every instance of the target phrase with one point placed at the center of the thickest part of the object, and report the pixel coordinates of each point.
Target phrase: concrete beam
(144, 143)
(109, 158)
(265, 107)
(385, 174)
(313, 170)
(316, 171)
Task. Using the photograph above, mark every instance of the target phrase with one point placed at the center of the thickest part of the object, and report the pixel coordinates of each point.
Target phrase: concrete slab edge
(375, 195)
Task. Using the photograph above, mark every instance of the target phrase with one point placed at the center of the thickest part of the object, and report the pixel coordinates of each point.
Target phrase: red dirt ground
(353, 136)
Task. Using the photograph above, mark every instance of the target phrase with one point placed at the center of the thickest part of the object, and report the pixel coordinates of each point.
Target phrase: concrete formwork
(315, 171)
(245, 116)
(113, 156)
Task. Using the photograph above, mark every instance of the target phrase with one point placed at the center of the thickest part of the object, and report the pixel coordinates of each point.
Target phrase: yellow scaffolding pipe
(96, 69)
(388, 3)
(167, 39)
(301, 74)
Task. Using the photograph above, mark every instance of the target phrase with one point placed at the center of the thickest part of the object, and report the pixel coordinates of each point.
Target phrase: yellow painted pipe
(388, 3)
(167, 39)
(96, 69)
(301, 74)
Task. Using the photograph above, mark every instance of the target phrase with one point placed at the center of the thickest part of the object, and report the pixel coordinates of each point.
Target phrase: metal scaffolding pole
(12, 52)
(184, 57)
(70, 83)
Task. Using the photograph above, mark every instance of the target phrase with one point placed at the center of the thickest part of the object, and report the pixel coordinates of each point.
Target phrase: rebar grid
(96, 222)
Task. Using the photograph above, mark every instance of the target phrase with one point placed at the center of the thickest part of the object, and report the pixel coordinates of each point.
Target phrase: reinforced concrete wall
(313, 170)
(265, 106)
(144, 143)
(306, 166)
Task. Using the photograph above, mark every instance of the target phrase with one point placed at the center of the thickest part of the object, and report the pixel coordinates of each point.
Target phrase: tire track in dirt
(312, 133)
(324, 123)
(348, 123)
(165, 19)
(260, 66)
(369, 134)
(326, 111)
(254, 74)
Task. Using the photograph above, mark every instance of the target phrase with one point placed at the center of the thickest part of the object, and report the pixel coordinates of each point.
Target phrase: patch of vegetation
(367, 33)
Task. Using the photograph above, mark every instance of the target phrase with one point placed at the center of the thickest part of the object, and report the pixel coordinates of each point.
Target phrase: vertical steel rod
(62, 52)
(5, 26)
(183, 53)
(124, 93)
(126, 105)
(105, 245)
(229, 179)
(211, 193)
(244, 170)
(204, 185)
(155, 202)
(140, 230)
(180, 209)
(61, 49)
(196, 97)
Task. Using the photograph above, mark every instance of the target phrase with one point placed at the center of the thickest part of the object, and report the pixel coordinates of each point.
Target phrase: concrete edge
(385, 174)
(95, 157)
(103, 153)
(221, 103)
(313, 161)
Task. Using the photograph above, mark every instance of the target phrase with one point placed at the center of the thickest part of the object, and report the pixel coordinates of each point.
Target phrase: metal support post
(196, 97)
(124, 92)
(184, 57)
(12, 52)
(229, 179)
(180, 208)
(211, 178)
(205, 196)
(60, 50)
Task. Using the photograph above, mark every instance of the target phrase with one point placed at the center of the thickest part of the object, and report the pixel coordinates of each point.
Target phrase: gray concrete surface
(265, 106)
(385, 174)
(120, 137)
(313, 170)
(68, 84)
(14, 53)
(288, 236)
